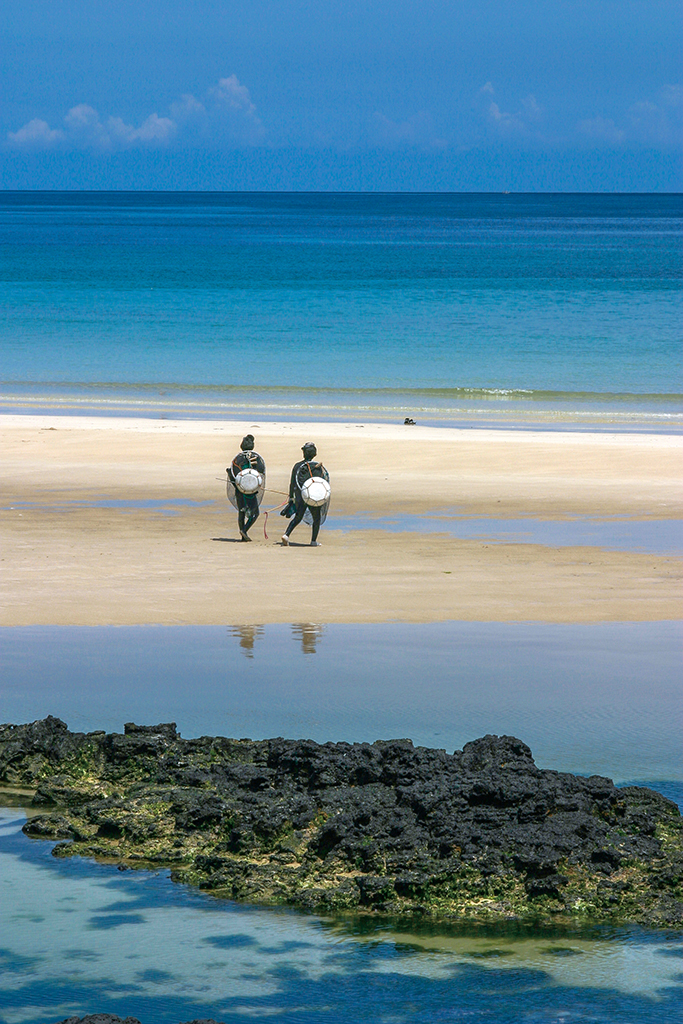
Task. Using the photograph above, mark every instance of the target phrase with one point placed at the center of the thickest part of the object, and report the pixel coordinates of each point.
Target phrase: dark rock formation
(111, 1018)
(481, 833)
(100, 1018)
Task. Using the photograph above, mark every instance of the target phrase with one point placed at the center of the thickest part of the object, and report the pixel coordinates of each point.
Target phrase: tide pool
(615, 533)
(78, 937)
(591, 699)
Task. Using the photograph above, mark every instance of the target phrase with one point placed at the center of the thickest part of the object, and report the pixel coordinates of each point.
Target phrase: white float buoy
(248, 481)
(316, 492)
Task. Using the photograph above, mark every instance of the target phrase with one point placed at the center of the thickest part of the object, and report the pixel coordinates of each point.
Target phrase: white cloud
(226, 117)
(83, 129)
(417, 130)
(187, 108)
(36, 134)
(660, 122)
(672, 95)
(602, 130)
(230, 92)
(154, 131)
(531, 108)
(502, 122)
(648, 122)
(232, 113)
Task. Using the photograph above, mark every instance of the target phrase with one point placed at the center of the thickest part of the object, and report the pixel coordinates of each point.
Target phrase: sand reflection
(309, 633)
(247, 637)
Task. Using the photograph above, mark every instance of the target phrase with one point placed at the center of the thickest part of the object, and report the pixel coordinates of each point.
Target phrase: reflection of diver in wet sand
(309, 633)
(309, 494)
(246, 484)
(247, 636)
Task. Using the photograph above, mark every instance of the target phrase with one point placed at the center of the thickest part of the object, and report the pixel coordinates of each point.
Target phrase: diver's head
(247, 443)
(309, 449)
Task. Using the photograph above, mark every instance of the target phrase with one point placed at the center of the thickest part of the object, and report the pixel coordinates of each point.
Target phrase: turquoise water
(78, 937)
(453, 308)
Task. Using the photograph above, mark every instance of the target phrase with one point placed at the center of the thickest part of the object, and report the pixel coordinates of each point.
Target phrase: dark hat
(309, 449)
(247, 443)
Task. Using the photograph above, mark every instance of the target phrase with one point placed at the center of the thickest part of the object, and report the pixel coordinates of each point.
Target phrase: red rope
(265, 515)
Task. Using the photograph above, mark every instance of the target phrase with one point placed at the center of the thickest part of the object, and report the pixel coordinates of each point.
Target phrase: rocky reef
(111, 1018)
(481, 834)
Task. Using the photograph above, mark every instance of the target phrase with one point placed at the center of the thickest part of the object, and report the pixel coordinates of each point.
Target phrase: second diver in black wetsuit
(247, 504)
(301, 472)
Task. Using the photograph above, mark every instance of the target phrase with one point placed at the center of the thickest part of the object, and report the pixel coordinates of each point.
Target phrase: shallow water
(77, 937)
(602, 698)
(616, 533)
(166, 506)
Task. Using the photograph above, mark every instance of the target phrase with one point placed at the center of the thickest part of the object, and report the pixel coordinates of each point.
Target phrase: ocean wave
(167, 390)
(547, 415)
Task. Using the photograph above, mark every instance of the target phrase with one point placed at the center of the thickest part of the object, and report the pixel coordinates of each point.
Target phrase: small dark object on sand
(409, 422)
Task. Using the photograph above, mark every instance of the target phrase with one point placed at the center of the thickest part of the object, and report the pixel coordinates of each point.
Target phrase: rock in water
(479, 834)
(100, 1018)
(111, 1018)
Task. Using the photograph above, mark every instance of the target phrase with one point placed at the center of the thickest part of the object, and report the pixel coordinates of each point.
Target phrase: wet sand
(81, 564)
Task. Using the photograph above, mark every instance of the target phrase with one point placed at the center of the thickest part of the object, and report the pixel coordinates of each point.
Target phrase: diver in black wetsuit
(247, 504)
(302, 471)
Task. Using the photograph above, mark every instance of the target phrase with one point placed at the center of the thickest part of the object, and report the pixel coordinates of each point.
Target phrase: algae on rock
(482, 833)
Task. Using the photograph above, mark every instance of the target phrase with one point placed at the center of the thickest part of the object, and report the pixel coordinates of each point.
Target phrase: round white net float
(316, 491)
(248, 481)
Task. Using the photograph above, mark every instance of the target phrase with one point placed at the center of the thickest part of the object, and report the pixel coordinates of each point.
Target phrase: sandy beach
(69, 560)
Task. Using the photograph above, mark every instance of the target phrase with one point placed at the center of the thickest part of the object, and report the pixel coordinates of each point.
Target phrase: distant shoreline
(487, 409)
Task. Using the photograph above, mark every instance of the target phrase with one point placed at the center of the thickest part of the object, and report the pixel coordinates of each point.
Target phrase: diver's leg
(295, 520)
(251, 512)
(240, 522)
(241, 512)
(315, 513)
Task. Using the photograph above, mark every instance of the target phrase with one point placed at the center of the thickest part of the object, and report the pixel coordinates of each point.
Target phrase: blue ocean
(523, 311)
(456, 309)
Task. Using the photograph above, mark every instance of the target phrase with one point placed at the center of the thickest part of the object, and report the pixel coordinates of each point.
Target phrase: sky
(406, 95)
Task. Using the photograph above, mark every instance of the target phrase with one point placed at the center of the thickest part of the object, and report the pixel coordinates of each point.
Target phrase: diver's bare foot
(285, 540)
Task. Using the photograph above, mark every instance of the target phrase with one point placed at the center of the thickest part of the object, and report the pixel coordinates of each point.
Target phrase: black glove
(289, 509)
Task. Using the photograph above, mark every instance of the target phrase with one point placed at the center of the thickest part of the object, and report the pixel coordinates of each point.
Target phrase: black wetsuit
(247, 504)
(301, 472)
